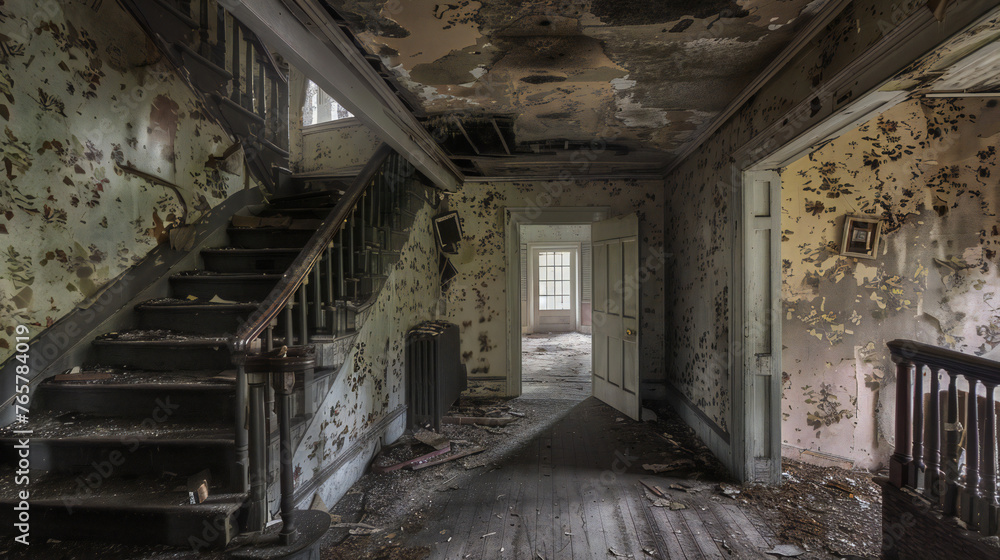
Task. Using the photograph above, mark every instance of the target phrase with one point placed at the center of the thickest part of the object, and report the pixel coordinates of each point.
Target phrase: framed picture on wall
(861, 237)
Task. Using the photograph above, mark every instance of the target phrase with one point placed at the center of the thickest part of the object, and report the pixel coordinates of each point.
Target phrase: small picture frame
(861, 237)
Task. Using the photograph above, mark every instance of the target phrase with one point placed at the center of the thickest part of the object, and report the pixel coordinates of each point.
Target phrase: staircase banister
(311, 253)
(973, 367)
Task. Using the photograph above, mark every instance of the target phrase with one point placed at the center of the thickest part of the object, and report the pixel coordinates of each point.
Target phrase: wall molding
(315, 483)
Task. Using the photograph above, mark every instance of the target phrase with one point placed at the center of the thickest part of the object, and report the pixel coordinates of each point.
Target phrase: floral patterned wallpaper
(928, 170)
(81, 90)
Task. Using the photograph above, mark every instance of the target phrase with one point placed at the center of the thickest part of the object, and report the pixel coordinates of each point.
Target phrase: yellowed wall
(929, 170)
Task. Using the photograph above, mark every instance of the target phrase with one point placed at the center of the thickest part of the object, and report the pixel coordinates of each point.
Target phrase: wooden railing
(334, 275)
(946, 433)
(244, 88)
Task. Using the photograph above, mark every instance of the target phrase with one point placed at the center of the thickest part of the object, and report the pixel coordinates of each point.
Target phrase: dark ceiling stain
(642, 12)
(542, 79)
(681, 25)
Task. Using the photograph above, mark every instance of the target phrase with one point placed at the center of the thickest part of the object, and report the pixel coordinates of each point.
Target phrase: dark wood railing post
(971, 494)
(916, 472)
(951, 451)
(991, 501)
(933, 477)
(899, 463)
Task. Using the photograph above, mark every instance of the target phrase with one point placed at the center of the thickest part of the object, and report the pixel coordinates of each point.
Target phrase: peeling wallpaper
(370, 385)
(477, 299)
(82, 89)
(929, 171)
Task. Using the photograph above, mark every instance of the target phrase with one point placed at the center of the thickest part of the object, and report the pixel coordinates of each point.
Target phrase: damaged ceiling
(628, 81)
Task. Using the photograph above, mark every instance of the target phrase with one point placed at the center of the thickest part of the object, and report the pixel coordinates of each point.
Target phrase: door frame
(574, 247)
(514, 217)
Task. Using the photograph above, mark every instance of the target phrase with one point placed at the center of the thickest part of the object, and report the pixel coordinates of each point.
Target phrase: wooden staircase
(115, 441)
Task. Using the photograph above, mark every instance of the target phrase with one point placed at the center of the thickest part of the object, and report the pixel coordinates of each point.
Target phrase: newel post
(899, 463)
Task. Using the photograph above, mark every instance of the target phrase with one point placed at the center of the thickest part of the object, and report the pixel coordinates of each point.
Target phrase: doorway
(556, 298)
(549, 363)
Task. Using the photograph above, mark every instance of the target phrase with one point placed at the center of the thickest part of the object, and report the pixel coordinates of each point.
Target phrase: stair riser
(194, 529)
(236, 262)
(206, 288)
(194, 322)
(94, 462)
(162, 358)
(318, 200)
(253, 238)
(209, 404)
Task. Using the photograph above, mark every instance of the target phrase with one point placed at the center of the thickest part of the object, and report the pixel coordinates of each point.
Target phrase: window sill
(331, 125)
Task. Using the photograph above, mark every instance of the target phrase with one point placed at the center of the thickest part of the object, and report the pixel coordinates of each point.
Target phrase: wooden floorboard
(572, 491)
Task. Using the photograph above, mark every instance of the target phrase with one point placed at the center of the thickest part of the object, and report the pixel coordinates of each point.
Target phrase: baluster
(899, 463)
(281, 115)
(951, 473)
(318, 319)
(219, 50)
(303, 314)
(351, 248)
(917, 466)
(236, 94)
(269, 336)
(330, 294)
(204, 30)
(341, 276)
(289, 325)
(261, 91)
(249, 73)
(991, 511)
(972, 494)
(933, 477)
(272, 109)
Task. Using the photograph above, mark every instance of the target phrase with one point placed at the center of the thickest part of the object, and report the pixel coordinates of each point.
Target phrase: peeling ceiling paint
(649, 75)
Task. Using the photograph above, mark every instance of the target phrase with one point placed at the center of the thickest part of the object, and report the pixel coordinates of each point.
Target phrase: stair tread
(138, 379)
(74, 428)
(261, 251)
(196, 305)
(118, 493)
(159, 338)
(210, 276)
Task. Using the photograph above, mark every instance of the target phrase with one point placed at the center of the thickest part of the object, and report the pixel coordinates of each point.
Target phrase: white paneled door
(616, 313)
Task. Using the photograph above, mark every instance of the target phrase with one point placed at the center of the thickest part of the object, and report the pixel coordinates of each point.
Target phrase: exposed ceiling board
(648, 74)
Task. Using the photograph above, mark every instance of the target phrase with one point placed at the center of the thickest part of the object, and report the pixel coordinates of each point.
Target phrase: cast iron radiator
(435, 375)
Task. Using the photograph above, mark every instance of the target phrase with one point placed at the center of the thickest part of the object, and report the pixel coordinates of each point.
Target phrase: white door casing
(616, 313)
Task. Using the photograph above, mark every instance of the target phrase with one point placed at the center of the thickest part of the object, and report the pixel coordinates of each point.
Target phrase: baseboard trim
(314, 484)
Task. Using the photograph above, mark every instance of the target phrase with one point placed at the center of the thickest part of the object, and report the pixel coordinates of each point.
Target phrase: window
(554, 280)
(320, 107)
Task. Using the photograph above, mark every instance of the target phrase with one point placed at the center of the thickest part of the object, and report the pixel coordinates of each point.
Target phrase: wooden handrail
(311, 253)
(976, 367)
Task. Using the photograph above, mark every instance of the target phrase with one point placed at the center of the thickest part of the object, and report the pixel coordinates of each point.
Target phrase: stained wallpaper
(928, 169)
(82, 91)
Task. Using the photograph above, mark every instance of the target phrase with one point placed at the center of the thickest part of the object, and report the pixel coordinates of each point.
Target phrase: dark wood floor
(574, 492)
